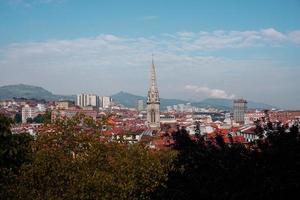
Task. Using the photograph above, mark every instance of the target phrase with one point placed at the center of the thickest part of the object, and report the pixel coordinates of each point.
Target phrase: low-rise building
(64, 104)
(69, 113)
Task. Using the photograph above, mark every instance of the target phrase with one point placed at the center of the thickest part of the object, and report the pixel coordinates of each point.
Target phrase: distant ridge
(124, 98)
(30, 92)
(227, 104)
(130, 100)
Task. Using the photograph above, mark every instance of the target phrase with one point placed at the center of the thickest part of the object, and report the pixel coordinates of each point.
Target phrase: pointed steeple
(153, 76)
(153, 114)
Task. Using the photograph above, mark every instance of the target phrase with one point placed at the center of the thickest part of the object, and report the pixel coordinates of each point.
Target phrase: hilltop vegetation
(30, 92)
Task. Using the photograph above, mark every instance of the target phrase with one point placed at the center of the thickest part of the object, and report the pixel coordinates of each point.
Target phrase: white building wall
(106, 102)
(28, 112)
(84, 100)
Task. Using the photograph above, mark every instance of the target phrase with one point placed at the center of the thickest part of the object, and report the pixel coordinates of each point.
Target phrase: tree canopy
(72, 159)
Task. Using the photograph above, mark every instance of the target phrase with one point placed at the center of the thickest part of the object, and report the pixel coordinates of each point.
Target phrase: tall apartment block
(84, 100)
(106, 102)
(239, 110)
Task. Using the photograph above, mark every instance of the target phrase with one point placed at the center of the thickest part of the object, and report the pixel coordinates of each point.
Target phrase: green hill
(30, 92)
(124, 98)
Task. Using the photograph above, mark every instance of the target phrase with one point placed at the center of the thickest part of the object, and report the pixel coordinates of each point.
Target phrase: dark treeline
(70, 164)
(266, 169)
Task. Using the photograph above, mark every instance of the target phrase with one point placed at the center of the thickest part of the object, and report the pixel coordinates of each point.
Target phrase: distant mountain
(124, 98)
(127, 99)
(30, 92)
(130, 100)
(227, 104)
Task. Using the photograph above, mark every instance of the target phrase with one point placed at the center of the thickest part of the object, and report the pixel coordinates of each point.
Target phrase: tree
(15, 150)
(216, 170)
(29, 120)
(47, 117)
(18, 118)
(43, 118)
(38, 119)
(75, 161)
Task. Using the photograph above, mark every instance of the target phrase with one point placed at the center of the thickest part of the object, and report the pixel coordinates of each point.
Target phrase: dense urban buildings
(151, 125)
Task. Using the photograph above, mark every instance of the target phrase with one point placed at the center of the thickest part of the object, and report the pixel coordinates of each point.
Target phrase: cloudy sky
(225, 49)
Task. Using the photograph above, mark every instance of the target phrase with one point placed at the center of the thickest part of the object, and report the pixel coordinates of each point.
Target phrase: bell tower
(153, 102)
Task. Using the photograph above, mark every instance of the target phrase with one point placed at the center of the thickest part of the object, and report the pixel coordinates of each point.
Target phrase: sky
(202, 48)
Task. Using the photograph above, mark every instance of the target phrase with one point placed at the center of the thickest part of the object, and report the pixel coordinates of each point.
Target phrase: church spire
(153, 115)
(153, 75)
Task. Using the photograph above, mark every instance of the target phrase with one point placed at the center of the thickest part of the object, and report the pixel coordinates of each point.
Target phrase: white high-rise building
(106, 102)
(181, 107)
(153, 102)
(84, 100)
(140, 104)
(28, 112)
(41, 107)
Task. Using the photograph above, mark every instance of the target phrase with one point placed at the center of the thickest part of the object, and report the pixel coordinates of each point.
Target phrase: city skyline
(202, 49)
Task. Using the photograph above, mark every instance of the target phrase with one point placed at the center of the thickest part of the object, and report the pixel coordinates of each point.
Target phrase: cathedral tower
(153, 116)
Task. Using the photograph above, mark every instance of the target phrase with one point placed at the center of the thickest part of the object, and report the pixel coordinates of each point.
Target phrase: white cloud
(272, 34)
(295, 36)
(189, 41)
(109, 63)
(206, 91)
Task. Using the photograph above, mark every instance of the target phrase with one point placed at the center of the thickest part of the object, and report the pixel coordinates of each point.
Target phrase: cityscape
(237, 123)
(207, 114)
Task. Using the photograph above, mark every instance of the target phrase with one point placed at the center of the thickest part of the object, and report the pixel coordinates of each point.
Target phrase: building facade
(284, 116)
(84, 100)
(140, 105)
(251, 117)
(153, 102)
(64, 104)
(239, 110)
(106, 102)
(69, 113)
(28, 112)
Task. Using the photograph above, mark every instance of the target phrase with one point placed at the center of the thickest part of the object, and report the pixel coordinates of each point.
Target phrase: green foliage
(41, 118)
(107, 171)
(268, 169)
(38, 119)
(71, 159)
(18, 118)
(47, 117)
(29, 120)
(14, 152)
(29, 92)
(14, 149)
(75, 162)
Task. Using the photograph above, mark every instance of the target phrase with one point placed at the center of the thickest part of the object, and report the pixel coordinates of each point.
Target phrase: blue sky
(27, 20)
(202, 49)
